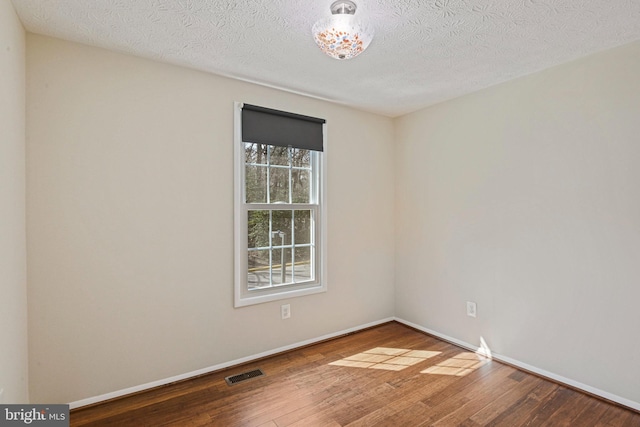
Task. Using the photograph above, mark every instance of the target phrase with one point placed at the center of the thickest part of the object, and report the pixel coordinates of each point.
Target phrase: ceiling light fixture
(342, 36)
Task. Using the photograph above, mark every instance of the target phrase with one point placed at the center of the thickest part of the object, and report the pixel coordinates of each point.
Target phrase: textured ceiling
(424, 51)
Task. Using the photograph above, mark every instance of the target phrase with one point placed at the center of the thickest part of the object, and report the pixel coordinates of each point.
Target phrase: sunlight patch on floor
(390, 359)
(459, 365)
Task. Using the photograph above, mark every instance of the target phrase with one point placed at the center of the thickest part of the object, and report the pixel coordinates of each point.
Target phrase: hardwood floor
(390, 375)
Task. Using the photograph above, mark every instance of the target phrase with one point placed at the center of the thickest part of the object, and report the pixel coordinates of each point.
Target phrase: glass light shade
(342, 36)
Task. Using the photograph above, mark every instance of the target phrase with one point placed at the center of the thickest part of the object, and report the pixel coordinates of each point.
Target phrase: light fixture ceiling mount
(342, 36)
(343, 7)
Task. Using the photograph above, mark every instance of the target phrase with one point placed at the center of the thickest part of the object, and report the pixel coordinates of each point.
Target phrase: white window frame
(242, 295)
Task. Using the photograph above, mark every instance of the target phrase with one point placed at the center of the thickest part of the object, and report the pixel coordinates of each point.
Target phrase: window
(278, 211)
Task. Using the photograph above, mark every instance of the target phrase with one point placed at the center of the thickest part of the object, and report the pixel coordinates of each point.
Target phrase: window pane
(302, 224)
(255, 153)
(300, 158)
(300, 186)
(302, 270)
(258, 269)
(282, 266)
(279, 155)
(258, 229)
(281, 228)
(287, 254)
(279, 185)
(256, 184)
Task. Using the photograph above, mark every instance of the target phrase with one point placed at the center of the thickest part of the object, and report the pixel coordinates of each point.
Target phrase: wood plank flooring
(390, 375)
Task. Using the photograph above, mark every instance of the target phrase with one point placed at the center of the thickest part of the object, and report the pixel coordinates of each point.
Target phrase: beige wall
(13, 273)
(130, 222)
(524, 198)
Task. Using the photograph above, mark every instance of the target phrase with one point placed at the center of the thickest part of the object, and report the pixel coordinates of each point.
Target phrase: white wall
(13, 272)
(524, 198)
(130, 222)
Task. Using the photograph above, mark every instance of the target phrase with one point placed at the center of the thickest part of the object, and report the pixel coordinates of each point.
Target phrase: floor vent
(235, 379)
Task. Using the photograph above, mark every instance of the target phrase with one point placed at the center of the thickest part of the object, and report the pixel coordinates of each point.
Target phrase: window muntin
(280, 215)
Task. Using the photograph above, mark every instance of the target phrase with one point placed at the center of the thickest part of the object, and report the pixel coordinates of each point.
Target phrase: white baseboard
(558, 378)
(136, 389)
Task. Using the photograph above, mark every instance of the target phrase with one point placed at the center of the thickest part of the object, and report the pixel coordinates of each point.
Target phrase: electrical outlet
(285, 311)
(472, 309)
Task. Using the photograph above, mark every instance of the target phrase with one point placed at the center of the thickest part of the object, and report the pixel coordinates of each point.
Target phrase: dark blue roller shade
(274, 127)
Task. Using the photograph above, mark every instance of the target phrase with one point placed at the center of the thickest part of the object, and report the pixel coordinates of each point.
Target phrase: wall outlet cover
(472, 309)
(285, 311)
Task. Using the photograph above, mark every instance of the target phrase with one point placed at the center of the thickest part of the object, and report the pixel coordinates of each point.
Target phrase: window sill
(247, 300)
